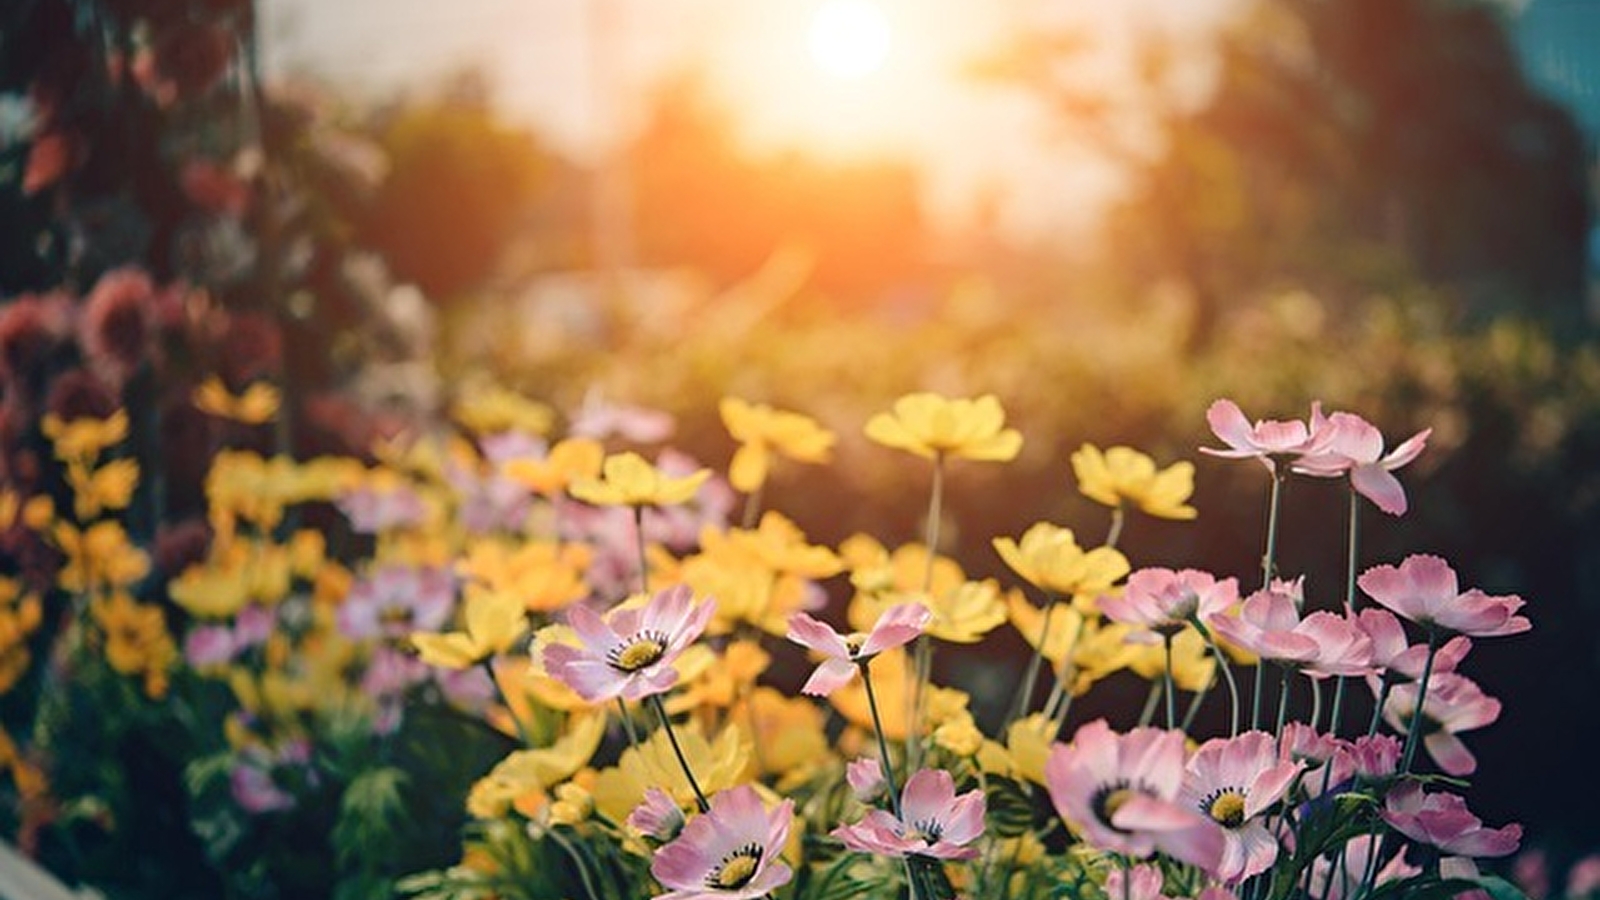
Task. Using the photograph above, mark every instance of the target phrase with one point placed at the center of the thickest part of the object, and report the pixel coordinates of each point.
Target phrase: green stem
(1283, 702)
(1171, 690)
(1115, 533)
(1030, 677)
(644, 560)
(1227, 676)
(752, 507)
(1414, 734)
(577, 862)
(627, 723)
(1268, 562)
(522, 734)
(1150, 701)
(923, 670)
(1316, 701)
(1377, 708)
(883, 745)
(666, 723)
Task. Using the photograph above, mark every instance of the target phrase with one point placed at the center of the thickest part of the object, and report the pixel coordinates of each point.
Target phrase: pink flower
(897, 626)
(1142, 882)
(1121, 793)
(1454, 704)
(209, 646)
(657, 816)
(1442, 820)
(600, 419)
(396, 600)
(1164, 601)
(933, 821)
(1424, 590)
(1321, 644)
(1583, 878)
(1391, 653)
(630, 652)
(1267, 440)
(117, 324)
(372, 511)
(1234, 781)
(1301, 741)
(1342, 883)
(1350, 444)
(865, 776)
(728, 853)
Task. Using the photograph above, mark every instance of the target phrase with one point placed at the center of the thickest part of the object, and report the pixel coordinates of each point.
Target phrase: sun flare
(849, 38)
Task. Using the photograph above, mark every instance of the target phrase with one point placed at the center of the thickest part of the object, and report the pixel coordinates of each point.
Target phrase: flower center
(646, 648)
(853, 642)
(1226, 807)
(737, 868)
(928, 830)
(1109, 799)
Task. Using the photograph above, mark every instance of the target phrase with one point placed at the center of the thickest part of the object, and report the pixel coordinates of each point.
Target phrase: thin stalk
(577, 862)
(1030, 677)
(1352, 557)
(1196, 701)
(1268, 562)
(1171, 690)
(883, 745)
(1316, 701)
(1255, 701)
(923, 653)
(1377, 708)
(1115, 532)
(1413, 735)
(661, 712)
(1150, 701)
(752, 507)
(644, 560)
(627, 723)
(1283, 702)
(1337, 712)
(522, 733)
(1227, 676)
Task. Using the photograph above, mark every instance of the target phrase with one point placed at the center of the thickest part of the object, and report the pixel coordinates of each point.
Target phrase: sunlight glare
(849, 38)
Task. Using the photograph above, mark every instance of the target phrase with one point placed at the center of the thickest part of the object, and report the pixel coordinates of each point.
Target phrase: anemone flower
(657, 816)
(629, 653)
(932, 426)
(1349, 444)
(1120, 792)
(1234, 781)
(1391, 652)
(1423, 589)
(728, 853)
(1141, 882)
(1320, 644)
(1266, 441)
(1442, 820)
(897, 626)
(1454, 704)
(1163, 601)
(933, 821)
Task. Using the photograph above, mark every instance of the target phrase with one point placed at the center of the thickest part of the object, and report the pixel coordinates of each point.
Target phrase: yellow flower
(873, 569)
(258, 403)
(959, 736)
(1192, 665)
(493, 410)
(217, 588)
(760, 429)
(19, 617)
(1049, 557)
(551, 692)
(538, 770)
(137, 642)
(1066, 624)
(1029, 741)
(717, 765)
(962, 614)
(628, 479)
(493, 621)
(889, 682)
(98, 557)
(931, 426)
(84, 439)
(37, 512)
(708, 680)
(573, 805)
(110, 487)
(790, 739)
(547, 576)
(1123, 474)
(778, 544)
(568, 461)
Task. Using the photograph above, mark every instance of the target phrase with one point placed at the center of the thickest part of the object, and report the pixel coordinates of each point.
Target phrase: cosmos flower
(629, 653)
(728, 853)
(897, 626)
(1235, 781)
(1267, 441)
(1163, 601)
(1349, 444)
(931, 426)
(933, 821)
(1455, 704)
(1320, 644)
(1443, 820)
(1423, 589)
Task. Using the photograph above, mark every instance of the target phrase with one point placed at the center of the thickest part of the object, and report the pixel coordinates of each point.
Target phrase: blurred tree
(702, 199)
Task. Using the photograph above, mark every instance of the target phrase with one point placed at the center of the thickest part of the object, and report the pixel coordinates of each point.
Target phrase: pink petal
(1229, 424)
(1450, 753)
(667, 611)
(1181, 833)
(1258, 849)
(1270, 786)
(899, 625)
(1409, 450)
(963, 821)
(818, 636)
(927, 796)
(829, 677)
(1377, 484)
(593, 678)
(595, 633)
(1488, 842)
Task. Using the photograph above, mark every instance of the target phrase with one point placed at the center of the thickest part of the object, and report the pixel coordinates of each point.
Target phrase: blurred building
(1559, 41)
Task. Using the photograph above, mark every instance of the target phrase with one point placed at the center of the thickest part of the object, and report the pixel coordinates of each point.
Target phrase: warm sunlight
(849, 38)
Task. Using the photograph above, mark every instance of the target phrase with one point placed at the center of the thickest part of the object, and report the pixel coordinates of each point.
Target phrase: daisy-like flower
(1423, 589)
(1142, 882)
(1320, 644)
(1443, 820)
(865, 777)
(1049, 557)
(1124, 475)
(1164, 601)
(1455, 704)
(1234, 781)
(1121, 793)
(657, 816)
(1349, 444)
(1268, 440)
(845, 654)
(762, 431)
(629, 653)
(1392, 654)
(729, 853)
(1341, 881)
(932, 426)
(628, 479)
(493, 623)
(933, 821)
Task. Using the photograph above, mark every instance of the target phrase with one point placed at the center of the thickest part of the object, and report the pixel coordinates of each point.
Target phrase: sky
(580, 72)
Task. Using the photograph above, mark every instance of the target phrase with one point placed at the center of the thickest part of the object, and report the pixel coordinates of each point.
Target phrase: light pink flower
(933, 821)
(209, 646)
(599, 419)
(897, 626)
(728, 853)
(1583, 878)
(1442, 820)
(1455, 704)
(1424, 589)
(1349, 444)
(1142, 882)
(372, 511)
(629, 653)
(1266, 440)
(1338, 884)
(395, 600)
(1121, 794)
(657, 816)
(1391, 652)
(1320, 644)
(1163, 601)
(865, 776)
(1301, 741)
(1234, 781)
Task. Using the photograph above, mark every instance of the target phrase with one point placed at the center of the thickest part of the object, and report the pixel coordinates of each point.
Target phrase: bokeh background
(1106, 214)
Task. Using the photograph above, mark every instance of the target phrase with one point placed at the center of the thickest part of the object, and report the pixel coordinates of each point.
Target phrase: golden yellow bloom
(573, 805)
(1049, 558)
(84, 439)
(717, 765)
(889, 683)
(930, 426)
(1066, 624)
(38, 512)
(1122, 474)
(494, 621)
(100, 556)
(110, 487)
(546, 576)
(962, 613)
(1029, 741)
(959, 736)
(567, 461)
(258, 403)
(136, 639)
(19, 617)
(1101, 650)
(1192, 665)
(217, 588)
(493, 410)
(538, 770)
(712, 681)
(874, 569)
(761, 430)
(777, 544)
(628, 479)
(789, 736)
(243, 485)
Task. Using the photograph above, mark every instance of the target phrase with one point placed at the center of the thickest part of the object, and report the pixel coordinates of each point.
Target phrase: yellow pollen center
(1228, 809)
(1115, 800)
(854, 641)
(639, 654)
(736, 872)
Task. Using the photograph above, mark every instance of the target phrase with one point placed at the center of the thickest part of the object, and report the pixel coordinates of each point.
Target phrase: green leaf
(1010, 808)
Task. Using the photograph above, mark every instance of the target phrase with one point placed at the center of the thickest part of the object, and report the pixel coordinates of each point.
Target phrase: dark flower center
(1110, 798)
(736, 869)
(1225, 806)
(643, 649)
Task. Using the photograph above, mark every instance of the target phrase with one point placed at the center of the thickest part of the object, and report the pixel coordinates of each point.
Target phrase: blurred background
(1106, 214)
